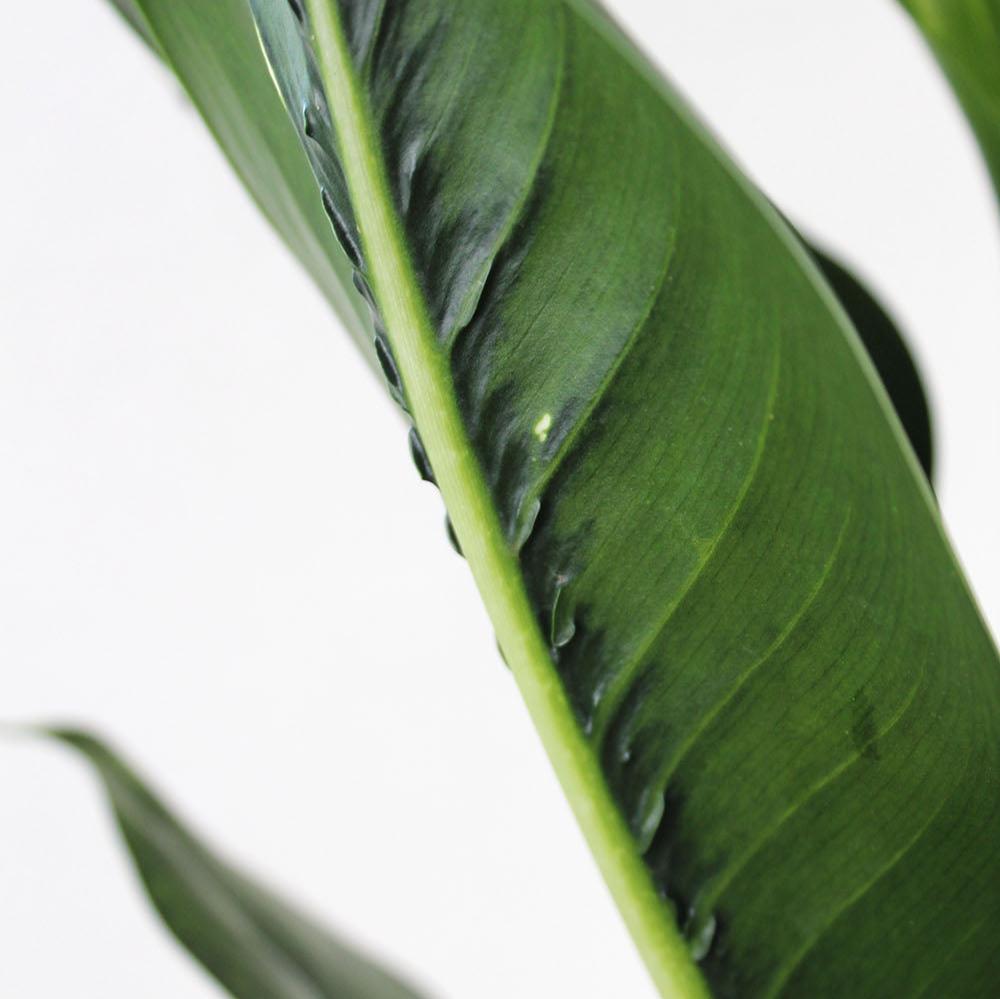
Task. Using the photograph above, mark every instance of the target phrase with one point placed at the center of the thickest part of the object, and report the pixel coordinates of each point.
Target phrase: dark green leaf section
(965, 37)
(730, 549)
(250, 940)
(888, 352)
(212, 46)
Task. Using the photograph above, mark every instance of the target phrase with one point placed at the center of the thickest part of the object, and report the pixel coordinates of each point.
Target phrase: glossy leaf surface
(712, 561)
(255, 944)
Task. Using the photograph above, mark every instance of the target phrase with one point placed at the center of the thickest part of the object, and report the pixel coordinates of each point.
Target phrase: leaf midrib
(432, 399)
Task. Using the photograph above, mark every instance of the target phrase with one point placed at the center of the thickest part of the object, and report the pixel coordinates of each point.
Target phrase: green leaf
(212, 48)
(256, 945)
(888, 352)
(965, 37)
(713, 564)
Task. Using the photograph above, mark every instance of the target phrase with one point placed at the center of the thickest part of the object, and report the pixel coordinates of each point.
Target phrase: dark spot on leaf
(864, 734)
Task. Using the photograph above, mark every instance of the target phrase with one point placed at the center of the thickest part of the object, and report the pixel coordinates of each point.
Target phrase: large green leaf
(712, 562)
(255, 944)
(965, 36)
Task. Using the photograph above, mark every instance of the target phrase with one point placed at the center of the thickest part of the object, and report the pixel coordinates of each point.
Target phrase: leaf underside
(250, 940)
(728, 546)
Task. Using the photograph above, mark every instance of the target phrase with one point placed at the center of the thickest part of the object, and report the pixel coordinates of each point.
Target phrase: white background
(214, 550)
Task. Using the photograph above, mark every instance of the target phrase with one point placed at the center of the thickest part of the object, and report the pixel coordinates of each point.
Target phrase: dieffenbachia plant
(711, 558)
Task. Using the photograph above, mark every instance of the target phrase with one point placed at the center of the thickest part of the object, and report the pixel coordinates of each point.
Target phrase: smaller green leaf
(888, 352)
(251, 941)
(965, 37)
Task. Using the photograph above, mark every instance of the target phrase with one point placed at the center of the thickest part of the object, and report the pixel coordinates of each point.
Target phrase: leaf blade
(213, 51)
(216, 47)
(246, 937)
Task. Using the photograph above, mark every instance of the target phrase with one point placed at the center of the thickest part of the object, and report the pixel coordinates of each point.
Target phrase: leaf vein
(785, 973)
(473, 299)
(727, 878)
(626, 673)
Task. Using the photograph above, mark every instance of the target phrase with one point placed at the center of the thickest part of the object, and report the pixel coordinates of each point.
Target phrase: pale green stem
(426, 377)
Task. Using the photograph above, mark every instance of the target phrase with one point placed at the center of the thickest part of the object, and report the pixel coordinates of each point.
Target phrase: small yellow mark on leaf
(542, 427)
